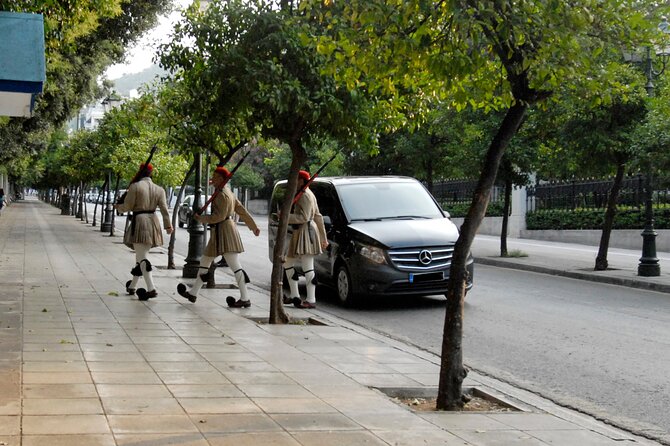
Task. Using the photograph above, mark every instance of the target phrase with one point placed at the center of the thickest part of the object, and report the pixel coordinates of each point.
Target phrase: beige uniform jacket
(308, 227)
(224, 236)
(145, 228)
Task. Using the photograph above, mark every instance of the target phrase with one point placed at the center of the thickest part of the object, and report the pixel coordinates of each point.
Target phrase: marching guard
(224, 240)
(308, 240)
(144, 233)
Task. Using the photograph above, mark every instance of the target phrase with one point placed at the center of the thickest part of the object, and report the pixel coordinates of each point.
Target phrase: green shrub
(593, 219)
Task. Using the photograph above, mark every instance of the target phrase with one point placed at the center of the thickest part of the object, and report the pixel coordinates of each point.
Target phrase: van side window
(326, 200)
(276, 201)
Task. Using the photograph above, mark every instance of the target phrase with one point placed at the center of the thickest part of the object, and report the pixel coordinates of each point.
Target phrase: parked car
(388, 236)
(185, 210)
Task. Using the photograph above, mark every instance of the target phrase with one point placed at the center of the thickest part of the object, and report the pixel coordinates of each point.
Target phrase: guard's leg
(201, 278)
(136, 272)
(141, 251)
(307, 262)
(241, 277)
(292, 277)
(145, 268)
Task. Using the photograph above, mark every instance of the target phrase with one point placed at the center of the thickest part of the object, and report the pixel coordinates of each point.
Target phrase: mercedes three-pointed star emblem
(425, 257)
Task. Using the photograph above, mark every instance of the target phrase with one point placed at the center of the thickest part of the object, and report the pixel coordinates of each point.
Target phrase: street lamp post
(649, 266)
(106, 224)
(110, 102)
(196, 230)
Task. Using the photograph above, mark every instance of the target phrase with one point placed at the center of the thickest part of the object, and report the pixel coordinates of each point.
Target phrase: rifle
(140, 173)
(302, 190)
(218, 190)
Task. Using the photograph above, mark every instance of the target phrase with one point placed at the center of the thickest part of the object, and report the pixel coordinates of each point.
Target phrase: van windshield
(380, 201)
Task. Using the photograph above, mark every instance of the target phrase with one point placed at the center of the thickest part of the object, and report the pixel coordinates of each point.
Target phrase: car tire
(344, 286)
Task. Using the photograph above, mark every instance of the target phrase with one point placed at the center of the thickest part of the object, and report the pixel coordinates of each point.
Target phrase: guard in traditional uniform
(144, 233)
(224, 240)
(308, 240)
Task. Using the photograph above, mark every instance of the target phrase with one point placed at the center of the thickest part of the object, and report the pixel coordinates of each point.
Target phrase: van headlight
(372, 253)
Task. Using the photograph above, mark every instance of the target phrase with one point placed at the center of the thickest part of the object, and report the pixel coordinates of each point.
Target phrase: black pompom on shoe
(143, 294)
(130, 291)
(181, 289)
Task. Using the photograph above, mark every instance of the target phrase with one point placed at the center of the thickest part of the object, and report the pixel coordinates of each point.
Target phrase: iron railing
(461, 191)
(593, 193)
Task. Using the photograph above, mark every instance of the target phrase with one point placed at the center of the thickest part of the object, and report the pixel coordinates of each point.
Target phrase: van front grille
(422, 259)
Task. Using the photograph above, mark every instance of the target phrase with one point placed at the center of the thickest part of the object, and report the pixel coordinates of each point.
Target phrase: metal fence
(593, 193)
(449, 192)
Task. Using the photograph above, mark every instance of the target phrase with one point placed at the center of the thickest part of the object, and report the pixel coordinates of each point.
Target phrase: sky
(141, 56)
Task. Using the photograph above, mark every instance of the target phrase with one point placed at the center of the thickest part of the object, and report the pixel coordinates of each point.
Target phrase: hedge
(593, 219)
(459, 210)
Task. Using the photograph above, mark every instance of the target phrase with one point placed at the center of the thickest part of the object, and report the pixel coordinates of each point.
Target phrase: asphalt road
(601, 349)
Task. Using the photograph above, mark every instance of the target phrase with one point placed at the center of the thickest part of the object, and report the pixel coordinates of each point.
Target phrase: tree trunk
(211, 273)
(277, 313)
(116, 198)
(175, 211)
(429, 167)
(601, 258)
(97, 200)
(452, 371)
(505, 220)
(86, 205)
(80, 202)
(73, 200)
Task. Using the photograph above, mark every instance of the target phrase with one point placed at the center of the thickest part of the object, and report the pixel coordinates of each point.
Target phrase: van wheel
(344, 286)
(181, 224)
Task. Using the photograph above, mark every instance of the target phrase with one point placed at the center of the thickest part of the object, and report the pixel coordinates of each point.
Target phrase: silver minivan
(387, 234)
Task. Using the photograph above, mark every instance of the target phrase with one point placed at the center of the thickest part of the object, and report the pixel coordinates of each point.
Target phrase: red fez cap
(222, 171)
(304, 175)
(149, 168)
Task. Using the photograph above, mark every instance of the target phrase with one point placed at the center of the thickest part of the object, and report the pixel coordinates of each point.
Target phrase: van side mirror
(446, 213)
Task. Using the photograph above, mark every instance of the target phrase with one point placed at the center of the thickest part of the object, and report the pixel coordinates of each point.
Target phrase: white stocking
(289, 268)
(141, 251)
(307, 262)
(233, 261)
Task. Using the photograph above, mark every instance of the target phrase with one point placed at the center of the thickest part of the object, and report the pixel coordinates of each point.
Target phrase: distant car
(92, 197)
(185, 210)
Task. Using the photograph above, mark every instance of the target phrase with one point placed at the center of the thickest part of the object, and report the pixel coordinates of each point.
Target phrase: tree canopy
(82, 38)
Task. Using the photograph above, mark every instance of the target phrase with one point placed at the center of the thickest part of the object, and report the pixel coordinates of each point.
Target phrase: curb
(631, 283)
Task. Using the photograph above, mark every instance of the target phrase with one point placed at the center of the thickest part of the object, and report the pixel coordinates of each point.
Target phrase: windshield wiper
(365, 219)
(406, 217)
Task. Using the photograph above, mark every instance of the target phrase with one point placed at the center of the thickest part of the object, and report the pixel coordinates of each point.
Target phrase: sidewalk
(81, 363)
(575, 261)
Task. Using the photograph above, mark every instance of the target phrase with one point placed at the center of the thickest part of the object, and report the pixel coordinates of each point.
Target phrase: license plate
(426, 277)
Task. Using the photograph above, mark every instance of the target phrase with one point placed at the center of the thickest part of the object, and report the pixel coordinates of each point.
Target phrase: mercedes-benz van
(387, 234)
